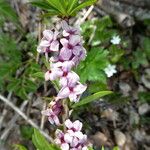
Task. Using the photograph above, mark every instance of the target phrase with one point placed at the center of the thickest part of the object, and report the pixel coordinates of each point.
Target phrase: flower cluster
(66, 51)
(73, 138)
(55, 108)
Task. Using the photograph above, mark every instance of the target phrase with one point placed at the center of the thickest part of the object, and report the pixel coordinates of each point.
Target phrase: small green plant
(62, 8)
(16, 72)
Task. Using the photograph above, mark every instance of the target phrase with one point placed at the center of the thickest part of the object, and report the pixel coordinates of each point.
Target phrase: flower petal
(63, 93)
(65, 33)
(77, 125)
(73, 78)
(56, 120)
(67, 65)
(76, 50)
(68, 124)
(50, 119)
(64, 42)
(55, 35)
(80, 88)
(44, 43)
(68, 138)
(54, 46)
(73, 97)
(75, 142)
(40, 49)
(65, 53)
(59, 133)
(65, 146)
(48, 34)
(64, 25)
(74, 40)
(47, 76)
(63, 81)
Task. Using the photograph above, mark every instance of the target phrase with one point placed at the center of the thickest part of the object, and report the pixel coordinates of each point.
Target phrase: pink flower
(53, 112)
(75, 126)
(66, 66)
(49, 42)
(60, 140)
(70, 47)
(76, 139)
(69, 78)
(72, 91)
(53, 74)
(68, 30)
(52, 117)
(80, 56)
(59, 69)
(73, 138)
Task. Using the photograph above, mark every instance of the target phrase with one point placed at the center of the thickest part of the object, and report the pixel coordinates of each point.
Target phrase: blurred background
(115, 33)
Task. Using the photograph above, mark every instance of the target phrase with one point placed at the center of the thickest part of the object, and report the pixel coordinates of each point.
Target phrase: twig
(5, 111)
(92, 35)
(5, 100)
(43, 117)
(39, 38)
(66, 111)
(11, 123)
(80, 21)
(2, 117)
(29, 105)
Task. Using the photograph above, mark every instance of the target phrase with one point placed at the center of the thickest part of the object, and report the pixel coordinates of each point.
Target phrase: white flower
(115, 40)
(110, 70)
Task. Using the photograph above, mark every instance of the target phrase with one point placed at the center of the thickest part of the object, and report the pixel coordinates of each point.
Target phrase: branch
(16, 109)
(12, 122)
(88, 12)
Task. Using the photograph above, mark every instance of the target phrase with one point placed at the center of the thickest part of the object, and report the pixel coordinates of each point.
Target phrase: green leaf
(21, 92)
(51, 13)
(94, 87)
(26, 131)
(90, 148)
(58, 5)
(19, 147)
(82, 5)
(92, 68)
(146, 46)
(116, 148)
(92, 98)
(38, 74)
(41, 143)
(140, 58)
(144, 96)
(29, 86)
(72, 4)
(102, 148)
(42, 4)
(115, 53)
(13, 85)
(49, 6)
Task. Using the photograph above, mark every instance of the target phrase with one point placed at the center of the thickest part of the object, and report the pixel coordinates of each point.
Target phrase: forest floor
(120, 120)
